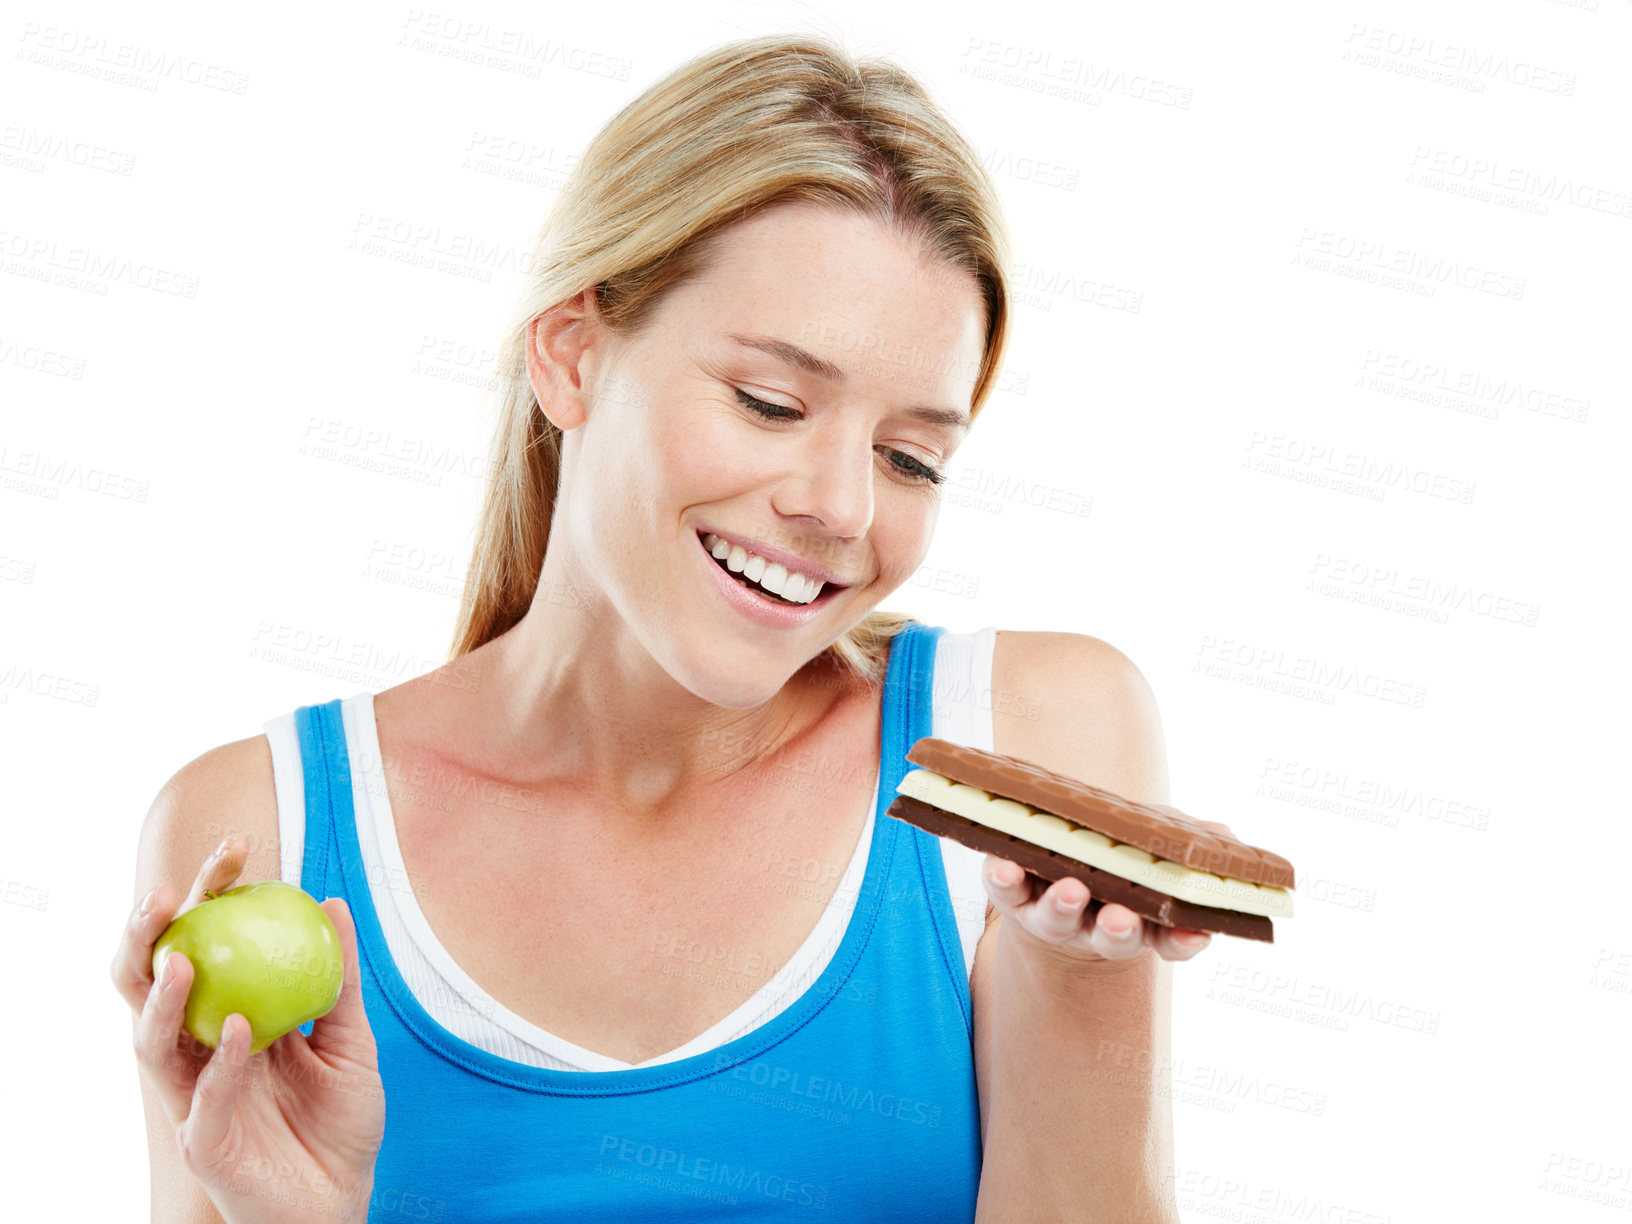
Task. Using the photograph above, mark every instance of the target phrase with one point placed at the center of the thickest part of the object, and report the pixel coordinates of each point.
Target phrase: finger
(1118, 932)
(1006, 883)
(132, 967)
(1179, 944)
(219, 870)
(1058, 912)
(165, 1052)
(215, 1099)
(344, 1031)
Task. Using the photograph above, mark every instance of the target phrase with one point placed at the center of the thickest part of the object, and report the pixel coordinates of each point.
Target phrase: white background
(1410, 684)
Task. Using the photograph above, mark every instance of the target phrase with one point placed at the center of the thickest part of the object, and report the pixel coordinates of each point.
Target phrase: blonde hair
(752, 123)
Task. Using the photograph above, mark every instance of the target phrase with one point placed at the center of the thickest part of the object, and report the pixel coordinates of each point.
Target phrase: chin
(736, 683)
(735, 692)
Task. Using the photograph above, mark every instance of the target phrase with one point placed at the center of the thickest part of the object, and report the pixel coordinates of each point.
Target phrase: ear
(559, 359)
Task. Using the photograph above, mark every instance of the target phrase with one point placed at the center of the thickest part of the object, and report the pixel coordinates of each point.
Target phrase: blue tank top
(857, 1101)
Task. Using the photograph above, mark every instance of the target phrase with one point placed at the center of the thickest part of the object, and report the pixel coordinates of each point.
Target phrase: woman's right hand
(286, 1134)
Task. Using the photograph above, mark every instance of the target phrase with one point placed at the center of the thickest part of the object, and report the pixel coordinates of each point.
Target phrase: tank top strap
(909, 715)
(909, 712)
(326, 767)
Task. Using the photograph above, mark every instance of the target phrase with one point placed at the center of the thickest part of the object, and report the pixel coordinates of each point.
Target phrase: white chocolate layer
(1095, 849)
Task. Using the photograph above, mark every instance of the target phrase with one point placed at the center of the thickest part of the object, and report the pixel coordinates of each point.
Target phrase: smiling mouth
(754, 572)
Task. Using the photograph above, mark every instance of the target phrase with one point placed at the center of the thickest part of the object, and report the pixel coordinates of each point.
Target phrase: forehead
(848, 289)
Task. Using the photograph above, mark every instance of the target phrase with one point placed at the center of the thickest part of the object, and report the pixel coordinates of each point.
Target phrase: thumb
(215, 1097)
(343, 1032)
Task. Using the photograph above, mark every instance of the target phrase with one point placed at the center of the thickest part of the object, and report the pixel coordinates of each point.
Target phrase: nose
(831, 481)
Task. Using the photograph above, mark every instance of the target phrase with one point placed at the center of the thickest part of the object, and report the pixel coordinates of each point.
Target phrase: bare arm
(182, 829)
(292, 1133)
(1071, 1050)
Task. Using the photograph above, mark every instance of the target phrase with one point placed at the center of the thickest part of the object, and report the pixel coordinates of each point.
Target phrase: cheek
(902, 534)
(690, 440)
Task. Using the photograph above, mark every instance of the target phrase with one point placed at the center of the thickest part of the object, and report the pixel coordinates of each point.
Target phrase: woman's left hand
(1057, 917)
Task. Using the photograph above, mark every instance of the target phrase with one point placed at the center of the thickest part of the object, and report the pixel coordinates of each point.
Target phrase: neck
(569, 698)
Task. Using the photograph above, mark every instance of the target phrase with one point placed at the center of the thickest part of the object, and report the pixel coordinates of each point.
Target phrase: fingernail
(1064, 906)
(1192, 942)
(146, 907)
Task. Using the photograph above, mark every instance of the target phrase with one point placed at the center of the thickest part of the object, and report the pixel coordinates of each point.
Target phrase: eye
(899, 461)
(913, 468)
(771, 412)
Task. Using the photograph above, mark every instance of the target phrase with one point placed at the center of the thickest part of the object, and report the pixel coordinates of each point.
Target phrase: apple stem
(209, 895)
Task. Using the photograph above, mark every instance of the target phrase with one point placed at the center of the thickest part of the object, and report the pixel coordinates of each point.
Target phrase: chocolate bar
(1102, 885)
(1162, 831)
(1154, 859)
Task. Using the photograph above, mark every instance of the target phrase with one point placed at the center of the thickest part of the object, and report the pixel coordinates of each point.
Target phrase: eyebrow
(822, 368)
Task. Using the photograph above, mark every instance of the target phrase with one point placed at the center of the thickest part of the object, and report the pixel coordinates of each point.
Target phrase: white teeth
(792, 586)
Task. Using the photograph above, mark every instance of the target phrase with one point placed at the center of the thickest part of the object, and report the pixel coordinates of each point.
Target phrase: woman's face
(673, 460)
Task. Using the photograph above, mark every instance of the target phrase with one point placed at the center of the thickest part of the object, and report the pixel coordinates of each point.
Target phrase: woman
(761, 318)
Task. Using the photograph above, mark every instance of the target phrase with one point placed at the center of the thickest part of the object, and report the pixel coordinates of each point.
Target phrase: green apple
(266, 951)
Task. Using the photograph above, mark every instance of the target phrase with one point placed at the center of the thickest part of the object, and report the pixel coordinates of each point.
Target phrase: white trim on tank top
(962, 713)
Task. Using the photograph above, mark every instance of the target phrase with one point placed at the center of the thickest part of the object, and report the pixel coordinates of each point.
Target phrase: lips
(774, 583)
(769, 570)
(757, 604)
(792, 561)
(743, 580)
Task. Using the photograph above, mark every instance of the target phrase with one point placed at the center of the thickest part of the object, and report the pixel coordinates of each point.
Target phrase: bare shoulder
(225, 792)
(1077, 705)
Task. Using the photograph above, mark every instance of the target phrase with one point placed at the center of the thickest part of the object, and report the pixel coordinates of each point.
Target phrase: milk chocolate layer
(1102, 885)
(1163, 831)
